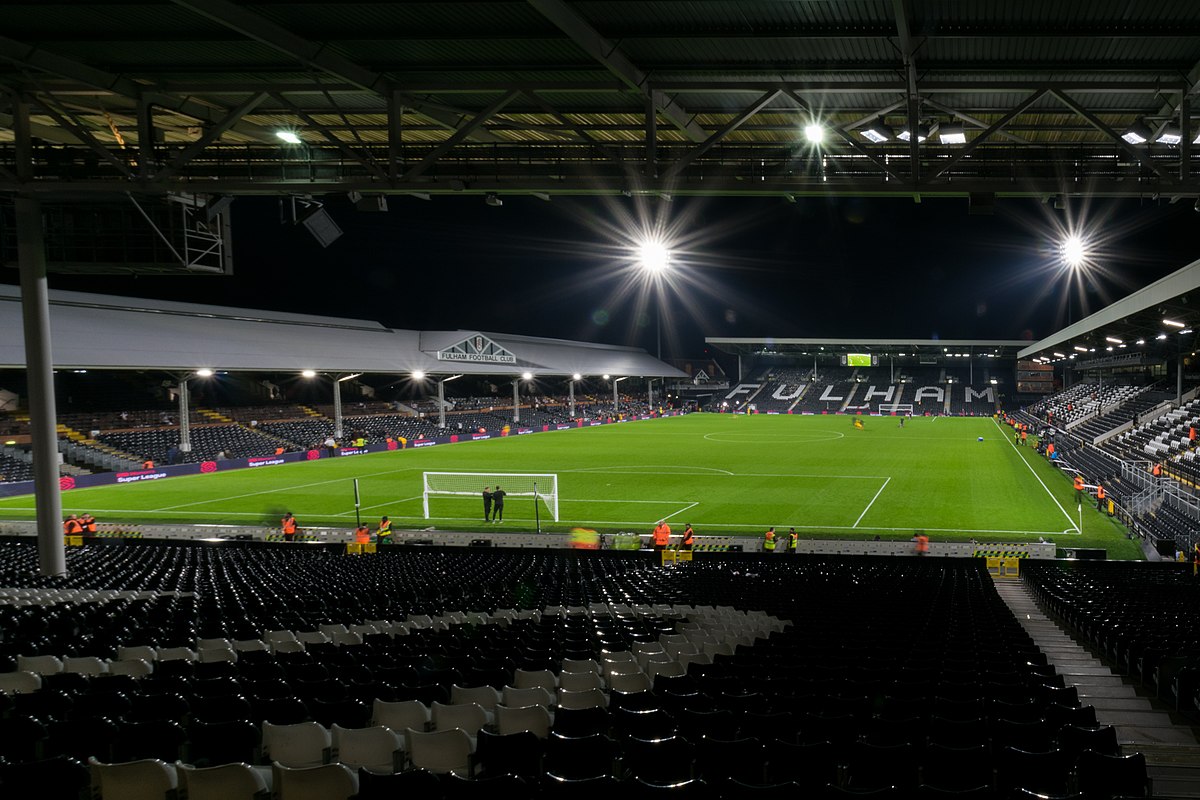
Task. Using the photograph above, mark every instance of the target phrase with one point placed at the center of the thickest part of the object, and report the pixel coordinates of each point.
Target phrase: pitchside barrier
(68, 482)
(625, 541)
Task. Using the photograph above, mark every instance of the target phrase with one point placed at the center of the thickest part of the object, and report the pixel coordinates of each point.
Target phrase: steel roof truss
(459, 135)
(968, 148)
(729, 127)
(1142, 157)
(209, 136)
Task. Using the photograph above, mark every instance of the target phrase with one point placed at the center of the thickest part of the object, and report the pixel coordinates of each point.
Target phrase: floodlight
(1060, 355)
(1081, 349)
(322, 227)
(528, 376)
(576, 377)
(1073, 251)
(876, 132)
(653, 256)
(605, 377)
(1185, 330)
(814, 132)
(1161, 336)
(418, 375)
(1112, 339)
(1171, 134)
(288, 136)
(308, 373)
(952, 133)
(204, 373)
(1173, 323)
(1137, 133)
(1141, 342)
(923, 132)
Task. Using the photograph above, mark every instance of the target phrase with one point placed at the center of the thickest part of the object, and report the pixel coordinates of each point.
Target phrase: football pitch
(724, 474)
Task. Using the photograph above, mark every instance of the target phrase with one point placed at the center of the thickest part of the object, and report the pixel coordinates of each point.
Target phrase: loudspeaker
(320, 225)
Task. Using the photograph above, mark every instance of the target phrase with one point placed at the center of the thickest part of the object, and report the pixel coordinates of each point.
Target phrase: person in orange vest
(384, 534)
(362, 535)
(1156, 470)
(148, 464)
(289, 526)
(662, 535)
(922, 543)
(1100, 497)
(1024, 436)
(72, 526)
(89, 523)
(279, 450)
(689, 537)
(1192, 433)
(769, 540)
(1078, 489)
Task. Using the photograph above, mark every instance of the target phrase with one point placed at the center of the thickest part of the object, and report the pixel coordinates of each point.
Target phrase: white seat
(581, 665)
(313, 637)
(377, 748)
(630, 682)
(515, 719)
(485, 696)
(42, 665)
(400, 715)
(672, 669)
(579, 681)
(142, 651)
(531, 696)
(467, 717)
(528, 679)
(439, 751)
(347, 638)
(85, 665)
(209, 655)
(149, 779)
(176, 654)
(587, 698)
(224, 782)
(327, 782)
(612, 668)
(304, 744)
(332, 628)
(136, 667)
(213, 644)
(275, 637)
(20, 682)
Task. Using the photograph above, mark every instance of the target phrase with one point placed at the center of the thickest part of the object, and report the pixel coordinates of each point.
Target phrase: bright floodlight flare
(1074, 252)
(527, 376)
(654, 256)
(418, 375)
(288, 136)
(814, 132)
(204, 373)
(576, 377)
(309, 373)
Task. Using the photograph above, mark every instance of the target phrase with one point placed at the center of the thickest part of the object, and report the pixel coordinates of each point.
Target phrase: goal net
(896, 408)
(542, 487)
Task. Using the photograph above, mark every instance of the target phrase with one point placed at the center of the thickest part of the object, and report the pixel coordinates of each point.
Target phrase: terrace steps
(1171, 745)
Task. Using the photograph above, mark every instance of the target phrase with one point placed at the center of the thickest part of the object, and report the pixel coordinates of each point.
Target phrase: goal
(895, 408)
(541, 487)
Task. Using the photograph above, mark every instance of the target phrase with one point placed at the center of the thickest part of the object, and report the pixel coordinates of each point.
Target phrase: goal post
(895, 408)
(543, 487)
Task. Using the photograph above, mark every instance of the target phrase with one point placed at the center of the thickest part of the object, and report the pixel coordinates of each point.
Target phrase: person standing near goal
(488, 497)
(498, 504)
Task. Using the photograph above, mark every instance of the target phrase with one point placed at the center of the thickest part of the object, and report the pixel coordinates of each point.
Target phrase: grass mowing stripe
(1029, 466)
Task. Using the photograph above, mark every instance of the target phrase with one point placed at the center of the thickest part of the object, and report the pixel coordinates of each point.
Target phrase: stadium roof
(1153, 323)
(91, 331)
(768, 346)
(600, 97)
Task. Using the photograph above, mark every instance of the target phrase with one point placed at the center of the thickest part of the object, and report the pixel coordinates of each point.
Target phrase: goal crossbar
(543, 487)
(896, 408)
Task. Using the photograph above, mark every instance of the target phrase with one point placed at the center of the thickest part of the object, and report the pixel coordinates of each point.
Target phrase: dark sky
(849, 268)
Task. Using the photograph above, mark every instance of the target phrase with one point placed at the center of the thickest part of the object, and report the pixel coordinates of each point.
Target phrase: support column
(892, 368)
(650, 393)
(338, 429)
(516, 401)
(185, 417)
(442, 403)
(39, 368)
(616, 402)
(571, 387)
(1179, 378)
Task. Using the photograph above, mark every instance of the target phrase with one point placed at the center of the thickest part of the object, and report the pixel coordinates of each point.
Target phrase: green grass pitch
(724, 474)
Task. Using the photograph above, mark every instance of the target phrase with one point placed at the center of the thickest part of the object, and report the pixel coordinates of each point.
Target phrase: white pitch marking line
(873, 499)
(284, 489)
(681, 470)
(680, 511)
(378, 505)
(1035, 475)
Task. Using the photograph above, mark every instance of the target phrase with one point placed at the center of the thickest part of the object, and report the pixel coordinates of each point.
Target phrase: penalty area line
(873, 499)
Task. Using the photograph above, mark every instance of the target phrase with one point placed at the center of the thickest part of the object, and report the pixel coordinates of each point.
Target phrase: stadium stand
(739, 689)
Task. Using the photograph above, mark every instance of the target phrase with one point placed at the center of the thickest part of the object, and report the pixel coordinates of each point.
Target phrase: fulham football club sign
(477, 349)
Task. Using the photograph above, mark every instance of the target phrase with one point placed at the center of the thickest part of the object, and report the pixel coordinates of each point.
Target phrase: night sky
(818, 267)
